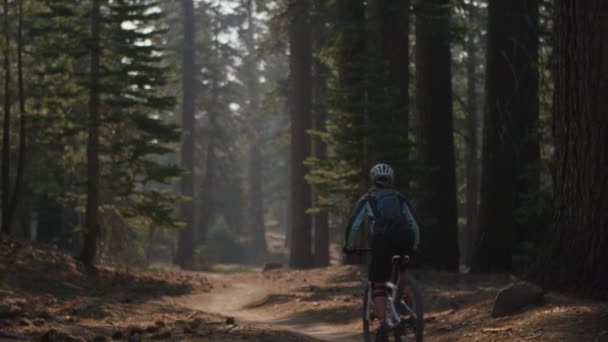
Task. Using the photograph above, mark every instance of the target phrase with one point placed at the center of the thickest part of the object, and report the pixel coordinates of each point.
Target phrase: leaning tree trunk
(510, 145)
(92, 222)
(575, 252)
(185, 244)
(436, 147)
(300, 61)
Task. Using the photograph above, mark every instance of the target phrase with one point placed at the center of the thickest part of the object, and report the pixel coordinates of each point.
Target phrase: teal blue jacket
(364, 208)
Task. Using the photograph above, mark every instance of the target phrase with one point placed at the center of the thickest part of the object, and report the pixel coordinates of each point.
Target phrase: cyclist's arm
(362, 209)
(411, 220)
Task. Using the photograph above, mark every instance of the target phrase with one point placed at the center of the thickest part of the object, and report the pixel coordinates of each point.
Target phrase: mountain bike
(404, 314)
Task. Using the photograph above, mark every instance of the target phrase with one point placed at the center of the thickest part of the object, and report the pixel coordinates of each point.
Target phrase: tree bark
(185, 247)
(510, 143)
(6, 133)
(92, 223)
(575, 251)
(437, 207)
(300, 62)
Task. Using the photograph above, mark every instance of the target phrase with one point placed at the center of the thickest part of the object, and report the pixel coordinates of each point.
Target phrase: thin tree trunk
(438, 206)
(256, 204)
(575, 251)
(92, 224)
(320, 220)
(6, 140)
(185, 247)
(17, 192)
(472, 146)
(301, 122)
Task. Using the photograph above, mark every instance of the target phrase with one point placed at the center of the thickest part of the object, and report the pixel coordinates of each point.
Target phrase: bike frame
(393, 318)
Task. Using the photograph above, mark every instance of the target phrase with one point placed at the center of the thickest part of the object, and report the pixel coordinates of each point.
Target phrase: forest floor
(43, 291)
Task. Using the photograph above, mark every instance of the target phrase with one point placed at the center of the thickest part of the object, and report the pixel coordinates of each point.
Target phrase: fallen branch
(495, 330)
(537, 335)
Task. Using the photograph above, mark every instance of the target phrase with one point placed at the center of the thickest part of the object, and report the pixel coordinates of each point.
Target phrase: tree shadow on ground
(41, 270)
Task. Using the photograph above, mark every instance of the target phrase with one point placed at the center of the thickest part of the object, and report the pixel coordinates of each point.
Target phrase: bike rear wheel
(370, 335)
(415, 319)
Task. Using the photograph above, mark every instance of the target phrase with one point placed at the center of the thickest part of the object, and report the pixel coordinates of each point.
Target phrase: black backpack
(388, 210)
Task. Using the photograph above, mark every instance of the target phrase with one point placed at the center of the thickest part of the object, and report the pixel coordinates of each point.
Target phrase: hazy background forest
(149, 133)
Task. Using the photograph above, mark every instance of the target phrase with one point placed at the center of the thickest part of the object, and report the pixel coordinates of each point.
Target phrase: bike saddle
(401, 259)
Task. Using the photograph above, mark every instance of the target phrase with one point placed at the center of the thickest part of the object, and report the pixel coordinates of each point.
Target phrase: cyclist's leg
(379, 273)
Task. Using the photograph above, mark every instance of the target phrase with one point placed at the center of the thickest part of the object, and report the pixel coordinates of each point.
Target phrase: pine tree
(437, 206)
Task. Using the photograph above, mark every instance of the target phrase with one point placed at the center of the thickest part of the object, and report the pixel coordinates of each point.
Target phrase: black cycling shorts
(384, 247)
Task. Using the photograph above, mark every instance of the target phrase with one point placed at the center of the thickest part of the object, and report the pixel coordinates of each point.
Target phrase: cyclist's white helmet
(382, 174)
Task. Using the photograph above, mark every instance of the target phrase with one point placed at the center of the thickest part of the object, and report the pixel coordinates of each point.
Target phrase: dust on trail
(324, 304)
(305, 303)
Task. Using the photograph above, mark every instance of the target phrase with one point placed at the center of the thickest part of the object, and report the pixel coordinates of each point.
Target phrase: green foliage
(222, 244)
(366, 123)
(138, 135)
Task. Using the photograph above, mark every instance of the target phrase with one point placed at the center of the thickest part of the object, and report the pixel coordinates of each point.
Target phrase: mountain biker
(394, 232)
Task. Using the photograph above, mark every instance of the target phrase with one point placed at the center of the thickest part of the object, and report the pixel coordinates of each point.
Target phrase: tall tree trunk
(185, 244)
(6, 133)
(300, 62)
(510, 143)
(436, 146)
(527, 222)
(92, 223)
(320, 220)
(321, 74)
(17, 192)
(207, 188)
(472, 146)
(575, 251)
(256, 204)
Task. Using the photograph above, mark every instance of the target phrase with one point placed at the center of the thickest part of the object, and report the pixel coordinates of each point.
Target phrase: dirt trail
(274, 300)
(324, 304)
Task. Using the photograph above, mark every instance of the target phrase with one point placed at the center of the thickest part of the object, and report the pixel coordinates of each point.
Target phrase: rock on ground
(515, 297)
